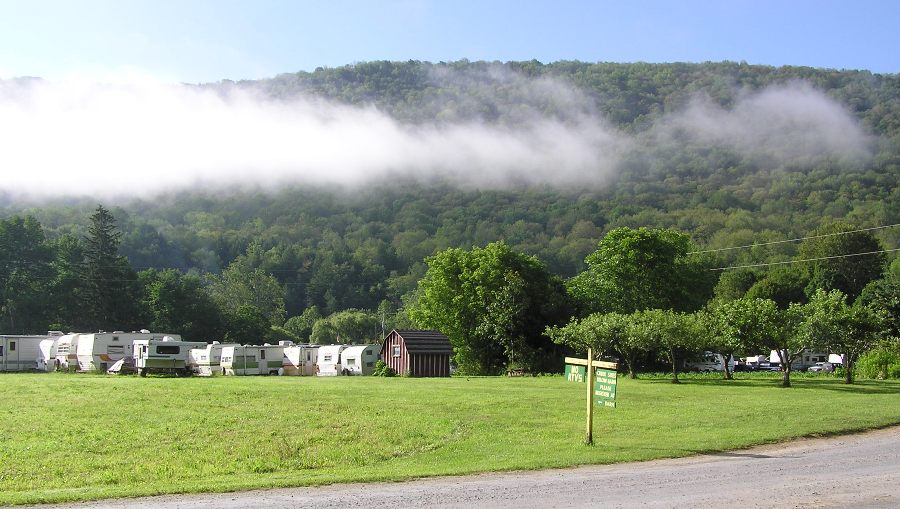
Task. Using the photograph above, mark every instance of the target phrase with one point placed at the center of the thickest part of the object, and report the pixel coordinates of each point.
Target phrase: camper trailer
(165, 355)
(806, 360)
(360, 359)
(99, 351)
(207, 361)
(47, 359)
(328, 361)
(66, 353)
(20, 353)
(300, 360)
(252, 360)
(709, 361)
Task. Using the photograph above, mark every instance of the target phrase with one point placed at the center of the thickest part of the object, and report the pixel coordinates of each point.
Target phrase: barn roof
(425, 341)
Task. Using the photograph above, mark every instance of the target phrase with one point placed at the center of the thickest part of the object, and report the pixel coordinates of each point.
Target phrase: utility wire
(806, 260)
(794, 240)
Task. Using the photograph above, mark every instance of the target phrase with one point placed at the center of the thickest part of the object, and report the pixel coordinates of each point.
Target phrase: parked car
(826, 367)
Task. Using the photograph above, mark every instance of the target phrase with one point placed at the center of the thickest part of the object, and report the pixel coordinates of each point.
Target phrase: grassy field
(75, 437)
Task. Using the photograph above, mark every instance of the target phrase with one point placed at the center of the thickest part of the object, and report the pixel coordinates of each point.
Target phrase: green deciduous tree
(300, 327)
(247, 325)
(784, 285)
(349, 326)
(25, 273)
(832, 325)
(644, 268)
(674, 335)
(494, 304)
(752, 324)
(237, 287)
(883, 295)
(180, 304)
(849, 274)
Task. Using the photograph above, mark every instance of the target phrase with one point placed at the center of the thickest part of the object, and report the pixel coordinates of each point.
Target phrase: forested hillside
(340, 247)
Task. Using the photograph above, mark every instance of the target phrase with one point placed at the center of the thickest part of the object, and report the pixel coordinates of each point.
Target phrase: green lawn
(75, 437)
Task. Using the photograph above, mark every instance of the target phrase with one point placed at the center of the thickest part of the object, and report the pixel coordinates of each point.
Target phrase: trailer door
(263, 363)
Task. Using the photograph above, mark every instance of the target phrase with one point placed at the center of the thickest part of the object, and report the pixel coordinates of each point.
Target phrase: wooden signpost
(601, 384)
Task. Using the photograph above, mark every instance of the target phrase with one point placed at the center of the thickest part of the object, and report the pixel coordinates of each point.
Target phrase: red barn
(417, 352)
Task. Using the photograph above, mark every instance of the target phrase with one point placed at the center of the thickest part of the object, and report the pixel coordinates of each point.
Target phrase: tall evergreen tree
(110, 285)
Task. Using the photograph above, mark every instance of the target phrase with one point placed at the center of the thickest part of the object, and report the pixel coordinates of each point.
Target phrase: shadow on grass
(800, 383)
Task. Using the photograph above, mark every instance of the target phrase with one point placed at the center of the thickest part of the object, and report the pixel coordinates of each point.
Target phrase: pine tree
(109, 281)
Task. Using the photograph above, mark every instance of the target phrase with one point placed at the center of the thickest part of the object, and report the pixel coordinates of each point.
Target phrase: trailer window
(12, 346)
(351, 362)
(262, 354)
(369, 364)
(115, 338)
(1, 351)
(168, 349)
(327, 358)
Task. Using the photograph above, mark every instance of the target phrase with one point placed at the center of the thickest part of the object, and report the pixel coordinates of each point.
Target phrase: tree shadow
(828, 384)
(861, 387)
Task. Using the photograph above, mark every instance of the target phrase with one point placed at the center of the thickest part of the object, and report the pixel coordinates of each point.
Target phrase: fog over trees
(336, 191)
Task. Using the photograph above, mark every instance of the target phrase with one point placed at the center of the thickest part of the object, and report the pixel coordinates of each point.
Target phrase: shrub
(382, 369)
(880, 363)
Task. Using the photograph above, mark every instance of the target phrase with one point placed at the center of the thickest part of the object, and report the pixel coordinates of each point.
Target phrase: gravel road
(860, 471)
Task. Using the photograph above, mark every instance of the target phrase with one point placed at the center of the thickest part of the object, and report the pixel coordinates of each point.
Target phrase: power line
(793, 240)
(806, 260)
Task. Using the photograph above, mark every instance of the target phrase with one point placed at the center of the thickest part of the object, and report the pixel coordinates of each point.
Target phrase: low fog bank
(143, 138)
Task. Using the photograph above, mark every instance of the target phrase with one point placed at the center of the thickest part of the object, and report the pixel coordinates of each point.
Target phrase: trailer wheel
(143, 371)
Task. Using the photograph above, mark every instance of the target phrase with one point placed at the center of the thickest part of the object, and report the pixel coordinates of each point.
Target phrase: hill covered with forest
(730, 153)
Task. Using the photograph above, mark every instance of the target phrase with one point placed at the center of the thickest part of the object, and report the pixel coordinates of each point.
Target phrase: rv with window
(207, 361)
(328, 360)
(164, 355)
(709, 361)
(20, 353)
(252, 360)
(300, 360)
(66, 353)
(806, 360)
(99, 351)
(360, 359)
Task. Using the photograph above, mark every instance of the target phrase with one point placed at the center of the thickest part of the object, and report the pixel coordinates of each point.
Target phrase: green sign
(605, 387)
(576, 373)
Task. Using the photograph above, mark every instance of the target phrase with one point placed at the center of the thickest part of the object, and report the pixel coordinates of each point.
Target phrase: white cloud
(138, 136)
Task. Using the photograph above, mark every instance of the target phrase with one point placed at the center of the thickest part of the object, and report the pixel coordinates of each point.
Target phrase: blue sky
(209, 40)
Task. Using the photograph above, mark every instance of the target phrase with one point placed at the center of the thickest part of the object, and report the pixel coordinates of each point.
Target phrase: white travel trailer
(300, 360)
(806, 360)
(754, 361)
(166, 355)
(20, 353)
(47, 359)
(360, 359)
(252, 360)
(66, 353)
(328, 361)
(709, 361)
(99, 351)
(207, 361)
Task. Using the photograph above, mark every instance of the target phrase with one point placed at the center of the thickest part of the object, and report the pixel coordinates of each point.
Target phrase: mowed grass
(77, 437)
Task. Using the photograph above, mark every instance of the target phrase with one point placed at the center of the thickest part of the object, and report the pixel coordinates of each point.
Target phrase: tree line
(647, 295)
